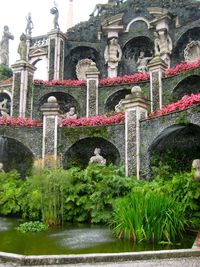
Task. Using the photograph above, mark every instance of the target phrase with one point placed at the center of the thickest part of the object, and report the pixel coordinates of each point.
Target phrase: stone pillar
(156, 68)
(56, 55)
(51, 111)
(22, 89)
(135, 107)
(92, 77)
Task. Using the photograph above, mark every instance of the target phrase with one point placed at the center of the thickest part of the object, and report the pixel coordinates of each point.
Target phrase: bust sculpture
(4, 46)
(142, 62)
(97, 158)
(71, 113)
(22, 48)
(196, 166)
(112, 55)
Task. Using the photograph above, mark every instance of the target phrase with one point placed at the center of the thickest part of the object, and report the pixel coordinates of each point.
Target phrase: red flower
(66, 83)
(19, 122)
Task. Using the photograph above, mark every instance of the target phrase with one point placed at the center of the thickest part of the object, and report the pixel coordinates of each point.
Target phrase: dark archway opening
(188, 86)
(114, 99)
(176, 147)
(186, 38)
(132, 51)
(65, 101)
(80, 153)
(14, 155)
(75, 55)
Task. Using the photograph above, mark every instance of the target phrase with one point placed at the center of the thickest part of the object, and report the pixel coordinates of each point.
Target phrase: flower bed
(185, 102)
(19, 122)
(118, 118)
(66, 83)
(183, 66)
(133, 78)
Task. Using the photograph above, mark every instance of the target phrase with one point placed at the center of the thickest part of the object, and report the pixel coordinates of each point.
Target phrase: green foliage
(5, 72)
(32, 227)
(148, 216)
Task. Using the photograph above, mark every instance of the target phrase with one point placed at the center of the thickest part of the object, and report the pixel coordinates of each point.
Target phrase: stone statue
(29, 25)
(54, 11)
(3, 108)
(4, 46)
(82, 67)
(22, 48)
(196, 166)
(142, 62)
(1, 167)
(97, 158)
(99, 8)
(112, 55)
(163, 45)
(71, 113)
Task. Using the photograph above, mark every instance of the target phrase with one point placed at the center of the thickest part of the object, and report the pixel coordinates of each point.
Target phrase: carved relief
(192, 51)
(82, 67)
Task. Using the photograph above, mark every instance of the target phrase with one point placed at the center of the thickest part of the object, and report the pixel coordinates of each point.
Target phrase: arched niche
(80, 153)
(188, 86)
(5, 95)
(15, 155)
(114, 99)
(176, 146)
(66, 101)
(131, 52)
(186, 38)
(76, 54)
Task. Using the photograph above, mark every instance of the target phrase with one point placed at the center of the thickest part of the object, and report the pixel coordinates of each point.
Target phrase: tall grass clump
(148, 216)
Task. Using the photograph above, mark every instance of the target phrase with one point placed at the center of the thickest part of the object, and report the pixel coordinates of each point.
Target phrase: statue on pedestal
(29, 25)
(97, 158)
(142, 62)
(71, 113)
(22, 48)
(4, 46)
(112, 55)
(54, 11)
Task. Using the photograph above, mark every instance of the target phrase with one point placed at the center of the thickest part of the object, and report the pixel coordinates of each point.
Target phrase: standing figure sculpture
(29, 25)
(112, 55)
(4, 46)
(97, 158)
(163, 45)
(142, 62)
(3, 108)
(54, 11)
(22, 48)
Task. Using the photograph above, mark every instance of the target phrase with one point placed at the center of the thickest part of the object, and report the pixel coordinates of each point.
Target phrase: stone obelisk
(70, 15)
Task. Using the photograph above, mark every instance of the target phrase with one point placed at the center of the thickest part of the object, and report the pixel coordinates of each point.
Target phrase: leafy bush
(32, 227)
(5, 72)
(148, 216)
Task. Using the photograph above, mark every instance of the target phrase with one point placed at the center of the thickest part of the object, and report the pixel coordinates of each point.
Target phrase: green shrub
(32, 227)
(148, 216)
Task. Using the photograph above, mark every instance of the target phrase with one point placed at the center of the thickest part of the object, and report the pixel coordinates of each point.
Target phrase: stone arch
(136, 20)
(79, 153)
(41, 72)
(15, 155)
(76, 54)
(65, 100)
(114, 99)
(131, 52)
(176, 146)
(189, 85)
(192, 34)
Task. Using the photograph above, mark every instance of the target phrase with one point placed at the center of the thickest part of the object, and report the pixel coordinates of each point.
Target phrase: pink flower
(19, 122)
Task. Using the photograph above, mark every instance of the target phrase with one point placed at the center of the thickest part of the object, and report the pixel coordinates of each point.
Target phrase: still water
(72, 239)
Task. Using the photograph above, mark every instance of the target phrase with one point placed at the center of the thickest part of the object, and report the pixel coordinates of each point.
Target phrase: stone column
(22, 89)
(156, 68)
(56, 55)
(135, 107)
(51, 111)
(92, 77)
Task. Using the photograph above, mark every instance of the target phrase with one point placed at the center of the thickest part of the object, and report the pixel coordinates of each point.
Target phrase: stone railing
(39, 41)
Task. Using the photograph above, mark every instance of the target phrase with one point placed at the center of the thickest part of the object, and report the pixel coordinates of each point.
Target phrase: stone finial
(52, 99)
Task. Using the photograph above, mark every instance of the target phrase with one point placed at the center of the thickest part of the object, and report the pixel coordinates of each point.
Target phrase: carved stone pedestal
(51, 111)
(135, 106)
(22, 89)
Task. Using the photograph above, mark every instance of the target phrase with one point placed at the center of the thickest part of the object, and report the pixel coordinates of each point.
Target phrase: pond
(73, 239)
